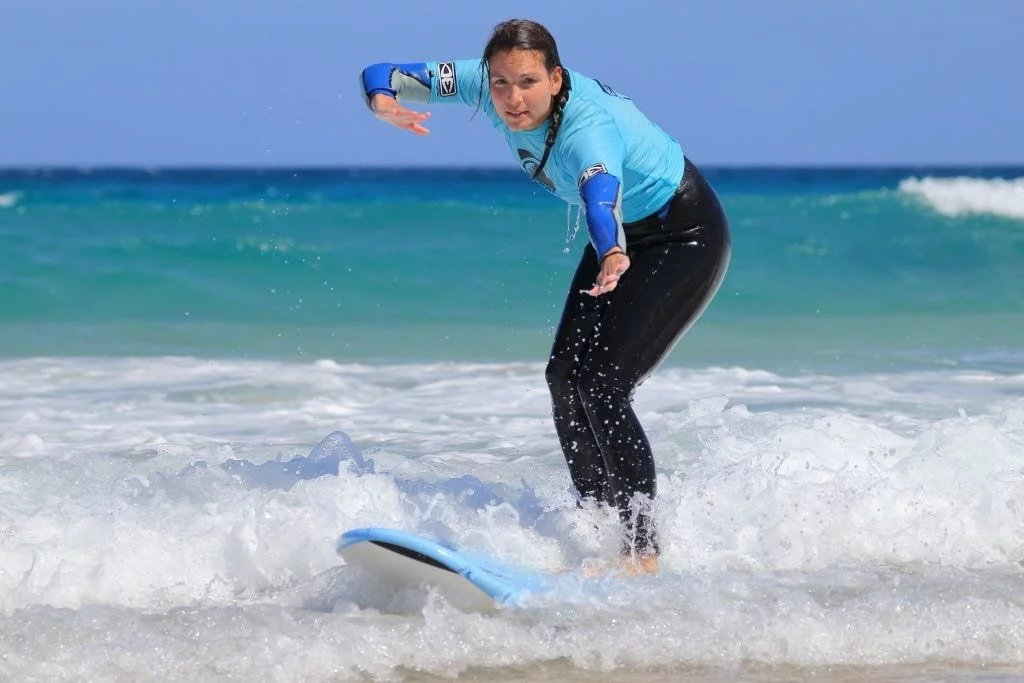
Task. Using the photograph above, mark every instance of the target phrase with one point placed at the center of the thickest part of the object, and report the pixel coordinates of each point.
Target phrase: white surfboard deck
(470, 583)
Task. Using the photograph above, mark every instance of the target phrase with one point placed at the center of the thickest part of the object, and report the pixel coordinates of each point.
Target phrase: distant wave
(9, 199)
(964, 195)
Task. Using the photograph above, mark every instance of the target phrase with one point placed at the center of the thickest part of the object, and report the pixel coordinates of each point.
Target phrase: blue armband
(401, 81)
(602, 202)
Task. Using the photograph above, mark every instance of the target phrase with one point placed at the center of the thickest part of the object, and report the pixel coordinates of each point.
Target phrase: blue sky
(261, 82)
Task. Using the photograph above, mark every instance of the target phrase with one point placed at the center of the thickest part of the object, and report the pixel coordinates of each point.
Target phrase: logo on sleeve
(591, 171)
(446, 84)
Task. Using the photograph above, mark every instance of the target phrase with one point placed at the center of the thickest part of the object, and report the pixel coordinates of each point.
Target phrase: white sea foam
(9, 199)
(174, 519)
(964, 195)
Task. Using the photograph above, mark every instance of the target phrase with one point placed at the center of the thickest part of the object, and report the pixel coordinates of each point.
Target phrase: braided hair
(523, 34)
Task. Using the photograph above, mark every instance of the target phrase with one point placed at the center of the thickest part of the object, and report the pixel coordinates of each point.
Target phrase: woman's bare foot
(637, 565)
(625, 566)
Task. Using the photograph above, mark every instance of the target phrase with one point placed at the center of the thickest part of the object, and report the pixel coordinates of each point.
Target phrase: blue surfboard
(468, 581)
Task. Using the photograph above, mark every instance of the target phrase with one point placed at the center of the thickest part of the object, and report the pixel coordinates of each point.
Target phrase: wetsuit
(641, 194)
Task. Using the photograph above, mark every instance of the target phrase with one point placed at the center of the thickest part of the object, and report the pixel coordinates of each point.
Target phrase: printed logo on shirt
(529, 164)
(446, 84)
(591, 171)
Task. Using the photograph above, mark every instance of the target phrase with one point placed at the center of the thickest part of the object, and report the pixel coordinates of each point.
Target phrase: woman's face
(521, 87)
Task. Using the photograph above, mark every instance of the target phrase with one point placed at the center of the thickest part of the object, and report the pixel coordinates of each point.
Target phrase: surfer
(658, 250)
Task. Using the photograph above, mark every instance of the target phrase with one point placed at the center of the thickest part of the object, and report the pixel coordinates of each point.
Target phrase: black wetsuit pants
(607, 345)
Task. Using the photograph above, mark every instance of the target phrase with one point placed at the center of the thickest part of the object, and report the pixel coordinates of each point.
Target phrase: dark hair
(523, 34)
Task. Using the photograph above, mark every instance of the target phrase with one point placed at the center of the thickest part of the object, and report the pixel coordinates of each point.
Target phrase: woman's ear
(556, 80)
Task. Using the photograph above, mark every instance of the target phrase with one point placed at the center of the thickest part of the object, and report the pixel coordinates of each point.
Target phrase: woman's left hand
(613, 265)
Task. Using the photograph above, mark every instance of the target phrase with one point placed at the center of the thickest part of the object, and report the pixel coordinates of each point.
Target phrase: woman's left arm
(601, 193)
(594, 152)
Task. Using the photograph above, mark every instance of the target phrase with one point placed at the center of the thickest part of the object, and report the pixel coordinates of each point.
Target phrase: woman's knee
(604, 395)
(560, 376)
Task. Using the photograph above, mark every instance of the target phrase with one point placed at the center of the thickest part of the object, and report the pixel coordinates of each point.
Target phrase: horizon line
(306, 166)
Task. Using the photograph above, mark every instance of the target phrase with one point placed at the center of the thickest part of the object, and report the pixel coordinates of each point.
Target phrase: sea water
(207, 375)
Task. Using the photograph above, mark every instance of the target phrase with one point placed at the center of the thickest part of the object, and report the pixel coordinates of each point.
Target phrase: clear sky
(274, 82)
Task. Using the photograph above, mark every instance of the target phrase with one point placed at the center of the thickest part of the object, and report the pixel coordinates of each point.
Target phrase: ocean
(206, 375)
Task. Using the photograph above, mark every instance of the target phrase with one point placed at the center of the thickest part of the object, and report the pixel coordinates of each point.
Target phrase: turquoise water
(847, 267)
(207, 376)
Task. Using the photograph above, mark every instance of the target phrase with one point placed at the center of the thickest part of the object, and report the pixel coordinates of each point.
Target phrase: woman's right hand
(387, 109)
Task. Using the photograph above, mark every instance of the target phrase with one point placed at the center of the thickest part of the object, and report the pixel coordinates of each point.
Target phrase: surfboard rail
(415, 558)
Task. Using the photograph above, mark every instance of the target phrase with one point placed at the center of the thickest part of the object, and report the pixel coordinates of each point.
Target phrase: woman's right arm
(386, 85)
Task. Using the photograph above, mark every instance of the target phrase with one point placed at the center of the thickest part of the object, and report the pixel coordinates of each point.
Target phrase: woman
(659, 245)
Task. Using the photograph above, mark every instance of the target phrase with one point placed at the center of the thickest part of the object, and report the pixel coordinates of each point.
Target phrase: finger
(410, 116)
(416, 115)
(601, 288)
(402, 117)
(398, 119)
(406, 124)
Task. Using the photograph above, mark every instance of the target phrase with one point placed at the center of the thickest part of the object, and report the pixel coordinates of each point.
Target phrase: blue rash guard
(608, 157)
